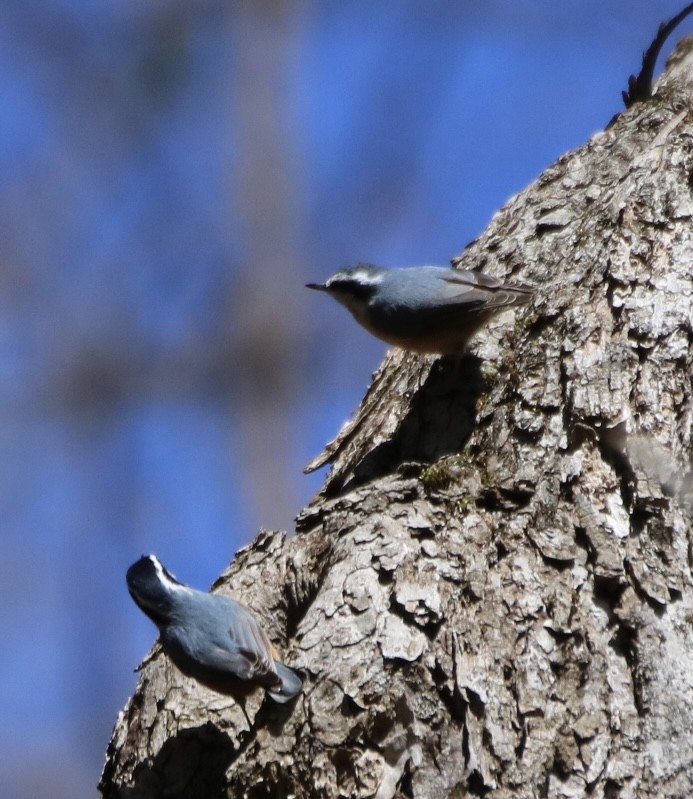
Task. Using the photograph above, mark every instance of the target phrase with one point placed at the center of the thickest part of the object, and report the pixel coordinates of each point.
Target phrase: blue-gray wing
(476, 289)
(242, 664)
(439, 302)
(245, 650)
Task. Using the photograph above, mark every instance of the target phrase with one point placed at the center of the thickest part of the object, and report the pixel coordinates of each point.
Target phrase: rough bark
(492, 595)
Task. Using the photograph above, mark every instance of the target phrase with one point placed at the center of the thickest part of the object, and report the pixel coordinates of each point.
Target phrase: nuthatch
(211, 638)
(432, 309)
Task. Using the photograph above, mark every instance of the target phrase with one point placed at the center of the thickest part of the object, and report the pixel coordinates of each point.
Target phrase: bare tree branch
(640, 85)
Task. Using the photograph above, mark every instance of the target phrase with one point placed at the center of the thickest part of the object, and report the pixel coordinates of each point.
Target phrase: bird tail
(291, 683)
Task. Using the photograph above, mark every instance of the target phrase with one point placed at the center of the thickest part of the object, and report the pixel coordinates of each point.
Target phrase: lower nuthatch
(211, 638)
(433, 309)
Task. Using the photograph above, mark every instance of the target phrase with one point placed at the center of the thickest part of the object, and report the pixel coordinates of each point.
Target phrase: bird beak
(317, 286)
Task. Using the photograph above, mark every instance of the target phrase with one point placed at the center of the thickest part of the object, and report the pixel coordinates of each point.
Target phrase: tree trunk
(492, 594)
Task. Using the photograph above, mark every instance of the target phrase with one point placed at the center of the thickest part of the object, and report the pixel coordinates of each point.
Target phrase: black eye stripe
(353, 287)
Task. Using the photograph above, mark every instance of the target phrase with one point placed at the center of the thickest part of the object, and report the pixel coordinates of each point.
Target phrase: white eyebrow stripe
(159, 568)
(165, 579)
(363, 277)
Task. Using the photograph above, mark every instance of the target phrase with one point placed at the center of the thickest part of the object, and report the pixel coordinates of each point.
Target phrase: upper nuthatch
(432, 309)
(211, 638)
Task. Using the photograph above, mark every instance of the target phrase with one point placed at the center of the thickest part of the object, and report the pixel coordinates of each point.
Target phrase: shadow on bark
(191, 764)
(440, 421)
